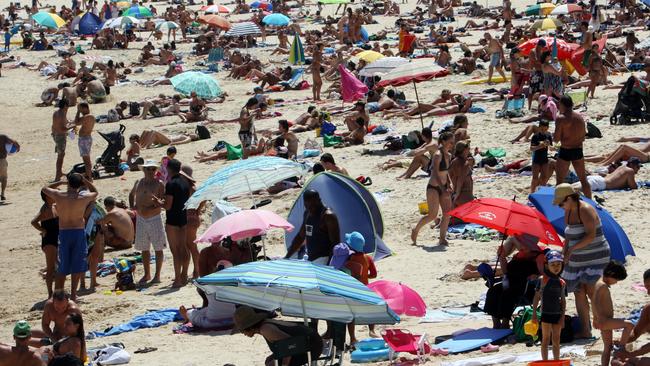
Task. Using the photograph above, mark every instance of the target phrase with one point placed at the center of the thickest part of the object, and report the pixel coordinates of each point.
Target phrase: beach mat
(473, 339)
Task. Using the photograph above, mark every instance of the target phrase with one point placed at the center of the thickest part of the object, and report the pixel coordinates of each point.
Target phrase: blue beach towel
(151, 319)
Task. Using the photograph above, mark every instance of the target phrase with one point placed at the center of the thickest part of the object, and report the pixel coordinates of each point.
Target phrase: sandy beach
(431, 270)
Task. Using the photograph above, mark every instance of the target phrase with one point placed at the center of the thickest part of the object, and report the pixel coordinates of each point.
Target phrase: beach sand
(429, 269)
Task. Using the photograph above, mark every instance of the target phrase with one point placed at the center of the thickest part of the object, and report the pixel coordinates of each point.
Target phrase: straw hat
(562, 191)
(245, 317)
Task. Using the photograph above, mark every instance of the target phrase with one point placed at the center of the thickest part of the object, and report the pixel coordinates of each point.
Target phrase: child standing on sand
(539, 148)
(551, 291)
(604, 310)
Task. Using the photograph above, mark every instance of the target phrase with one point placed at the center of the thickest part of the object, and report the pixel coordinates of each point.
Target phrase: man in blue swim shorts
(497, 58)
(71, 206)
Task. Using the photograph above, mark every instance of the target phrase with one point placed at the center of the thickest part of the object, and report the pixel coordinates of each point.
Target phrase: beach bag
(203, 132)
(111, 355)
(234, 152)
(134, 109)
(112, 115)
(593, 131)
(496, 152)
(327, 128)
(522, 317)
(394, 143)
(329, 141)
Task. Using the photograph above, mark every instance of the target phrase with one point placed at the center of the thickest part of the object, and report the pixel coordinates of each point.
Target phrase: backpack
(394, 143)
(203, 132)
(134, 109)
(593, 131)
(518, 324)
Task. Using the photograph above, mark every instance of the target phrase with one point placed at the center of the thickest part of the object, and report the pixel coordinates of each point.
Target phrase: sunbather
(623, 152)
(621, 178)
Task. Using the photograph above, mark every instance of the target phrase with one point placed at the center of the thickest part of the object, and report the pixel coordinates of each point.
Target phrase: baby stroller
(633, 102)
(109, 162)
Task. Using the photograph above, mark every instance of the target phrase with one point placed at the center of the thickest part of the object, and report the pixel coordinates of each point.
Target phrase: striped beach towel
(585, 265)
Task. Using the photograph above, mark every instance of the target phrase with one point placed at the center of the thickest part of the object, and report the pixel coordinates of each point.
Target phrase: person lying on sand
(150, 139)
(254, 149)
(622, 152)
(621, 178)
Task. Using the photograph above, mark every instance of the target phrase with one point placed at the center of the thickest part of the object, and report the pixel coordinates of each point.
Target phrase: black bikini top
(443, 163)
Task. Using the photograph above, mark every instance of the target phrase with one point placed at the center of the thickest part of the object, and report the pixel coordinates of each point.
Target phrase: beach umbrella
(351, 88)
(566, 9)
(138, 12)
(120, 22)
(215, 21)
(216, 9)
(539, 9)
(577, 56)
(49, 20)
(204, 85)
(402, 299)
(243, 29)
(276, 19)
(297, 52)
(546, 24)
(619, 244)
(329, 2)
(508, 217)
(413, 72)
(369, 56)
(564, 49)
(167, 25)
(382, 66)
(299, 288)
(245, 176)
(122, 4)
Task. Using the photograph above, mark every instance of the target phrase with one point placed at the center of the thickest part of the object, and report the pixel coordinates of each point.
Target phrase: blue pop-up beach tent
(619, 243)
(89, 24)
(354, 206)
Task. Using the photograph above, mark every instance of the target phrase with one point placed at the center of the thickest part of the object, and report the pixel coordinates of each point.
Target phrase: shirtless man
(21, 354)
(87, 123)
(537, 76)
(71, 93)
(73, 247)
(96, 91)
(60, 128)
(246, 129)
(497, 57)
(289, 137)
(570, 131)
(587, 39)
(327, 160)
(55, 310)
(49, 95)
(317, 58)
(117, 226)
(5, 141)
(621, 178)
(359, 111)
(150, 230)
(110, 74)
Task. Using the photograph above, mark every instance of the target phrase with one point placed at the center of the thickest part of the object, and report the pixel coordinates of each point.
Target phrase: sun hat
(562, 191)
(22, 329)
(554, 256)
(340, 254)
(149, 164)
(245, 317)
(355, 241)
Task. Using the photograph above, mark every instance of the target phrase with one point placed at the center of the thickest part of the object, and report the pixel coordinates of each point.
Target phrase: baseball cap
(22, 329)
(554, 256)
(355, 241)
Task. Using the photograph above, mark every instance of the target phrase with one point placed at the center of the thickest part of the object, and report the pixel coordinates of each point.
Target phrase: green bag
(331, 140)
(496, 152)
(518, 324)
(234, 152)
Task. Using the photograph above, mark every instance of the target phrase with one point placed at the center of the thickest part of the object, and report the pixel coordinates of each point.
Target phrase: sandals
(489, 348)
(145, 350)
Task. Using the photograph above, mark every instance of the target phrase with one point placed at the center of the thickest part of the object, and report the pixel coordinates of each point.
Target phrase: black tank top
(296, 330)
(552, 295)
(318, 243)
(51, 227)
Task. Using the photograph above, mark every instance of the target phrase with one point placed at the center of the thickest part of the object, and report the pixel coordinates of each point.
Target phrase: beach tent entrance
(354, 206)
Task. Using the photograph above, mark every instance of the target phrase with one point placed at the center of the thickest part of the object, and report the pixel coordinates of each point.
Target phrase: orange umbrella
(215, 21)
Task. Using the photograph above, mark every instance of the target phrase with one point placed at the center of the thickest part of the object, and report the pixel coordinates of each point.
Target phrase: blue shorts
(372, 107)
(495, 59)
(73, 250)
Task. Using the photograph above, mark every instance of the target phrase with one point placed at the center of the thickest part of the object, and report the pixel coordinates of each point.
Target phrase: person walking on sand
(73, 247)
(149, 228)
(497, 57)
(551, 292)
(246, 129)
(570, 131)
(60, 128)
(177, 192)
(5, 141)
(87, 123)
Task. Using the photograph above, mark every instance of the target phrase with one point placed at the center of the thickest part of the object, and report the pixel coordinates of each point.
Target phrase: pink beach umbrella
(244, 224)
(351, 88)
(402, 299)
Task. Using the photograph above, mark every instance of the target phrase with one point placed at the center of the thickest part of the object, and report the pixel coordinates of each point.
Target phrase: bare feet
(145, 279)
(183, 311)
(414, 237)
(372, 334)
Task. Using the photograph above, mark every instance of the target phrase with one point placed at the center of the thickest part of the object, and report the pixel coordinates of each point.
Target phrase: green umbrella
(204, 85)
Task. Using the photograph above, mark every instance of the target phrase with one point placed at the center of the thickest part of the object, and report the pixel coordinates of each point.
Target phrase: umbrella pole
(250, 191)
(264, 247)
(418, 99)
(304, 318)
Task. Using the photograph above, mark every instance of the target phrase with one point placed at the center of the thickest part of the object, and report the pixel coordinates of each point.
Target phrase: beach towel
(352, 89)
(519, 358)
(153, 319)
(452, 315)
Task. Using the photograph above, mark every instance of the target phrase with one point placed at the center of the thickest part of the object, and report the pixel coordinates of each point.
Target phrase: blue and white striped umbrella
(245, 176)
(301, 289)
(243, 29)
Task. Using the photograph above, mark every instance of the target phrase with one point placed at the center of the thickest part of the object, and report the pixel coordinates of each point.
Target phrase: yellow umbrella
(546, 24)
(369, 56)
(123, 4)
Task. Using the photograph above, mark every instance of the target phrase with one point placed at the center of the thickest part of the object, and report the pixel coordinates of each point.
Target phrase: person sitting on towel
(621, 178)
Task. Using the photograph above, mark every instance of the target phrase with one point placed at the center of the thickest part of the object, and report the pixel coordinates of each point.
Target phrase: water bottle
(394, 125)
(305, 257)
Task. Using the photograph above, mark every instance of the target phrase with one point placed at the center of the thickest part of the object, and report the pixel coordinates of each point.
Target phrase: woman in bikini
(439, 188)
(74, 340)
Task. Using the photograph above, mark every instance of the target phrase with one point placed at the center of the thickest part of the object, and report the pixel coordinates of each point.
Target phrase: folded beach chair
(512, 107)
(579, 98)
(401, 340)
(288, 347)
(295, 80)
(336, 345)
